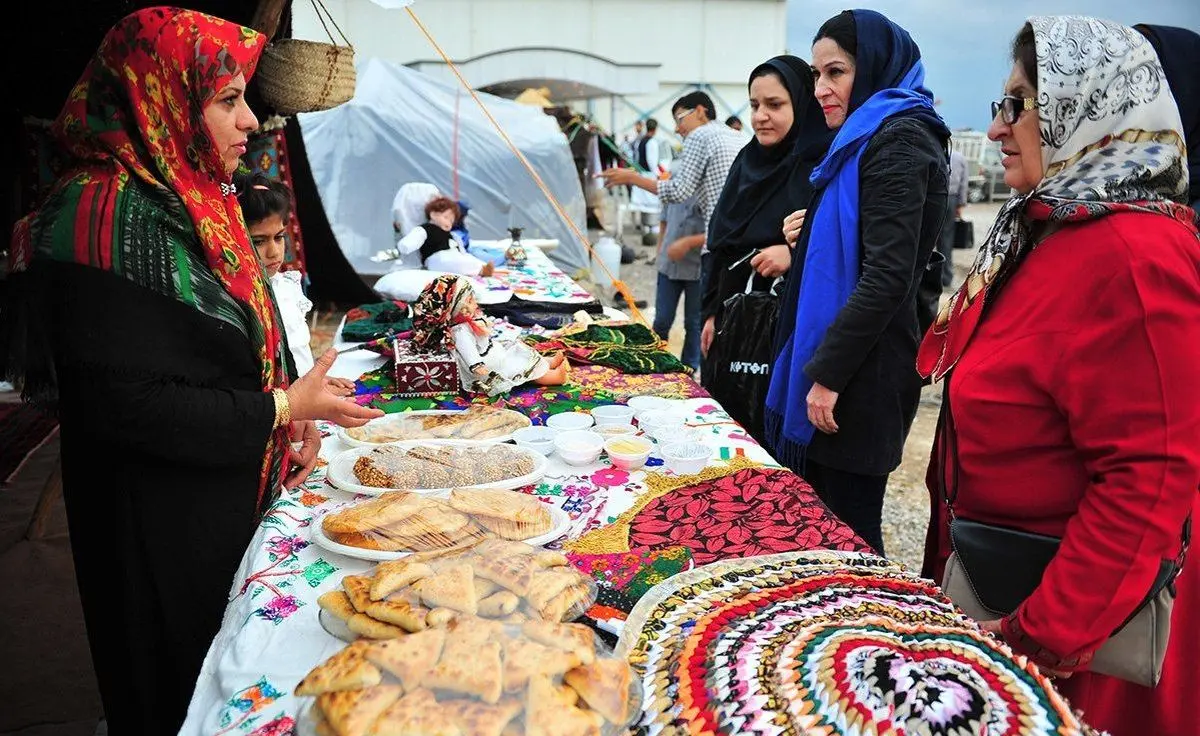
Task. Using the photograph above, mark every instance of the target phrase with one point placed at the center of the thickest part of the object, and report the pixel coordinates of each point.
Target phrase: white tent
(400, 128)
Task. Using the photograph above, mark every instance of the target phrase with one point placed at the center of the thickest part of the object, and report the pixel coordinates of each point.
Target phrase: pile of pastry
(476, 423)
(470, 644)
(408, 522)
(441, 466)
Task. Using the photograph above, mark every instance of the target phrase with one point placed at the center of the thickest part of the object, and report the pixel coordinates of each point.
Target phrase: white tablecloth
(270, 637)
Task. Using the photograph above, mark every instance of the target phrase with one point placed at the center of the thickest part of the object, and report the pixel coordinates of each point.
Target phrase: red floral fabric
(748, 513)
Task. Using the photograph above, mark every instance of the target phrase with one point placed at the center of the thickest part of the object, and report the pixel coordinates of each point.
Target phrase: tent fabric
(399, 128)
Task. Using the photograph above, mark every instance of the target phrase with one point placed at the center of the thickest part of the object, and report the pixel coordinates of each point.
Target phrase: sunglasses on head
(1009, 108)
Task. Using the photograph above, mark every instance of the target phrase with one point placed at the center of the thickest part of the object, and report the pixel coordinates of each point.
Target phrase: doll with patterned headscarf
(446, 318)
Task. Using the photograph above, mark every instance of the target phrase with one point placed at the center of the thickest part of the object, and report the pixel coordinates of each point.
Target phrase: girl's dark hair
(1024, 52)
(843, 30)
(261, 197)
(441, 204)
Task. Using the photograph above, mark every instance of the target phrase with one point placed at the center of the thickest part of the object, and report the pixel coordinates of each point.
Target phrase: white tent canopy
(400, 128)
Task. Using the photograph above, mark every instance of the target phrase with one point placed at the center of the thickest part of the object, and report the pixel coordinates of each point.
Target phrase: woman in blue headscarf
(844, 387)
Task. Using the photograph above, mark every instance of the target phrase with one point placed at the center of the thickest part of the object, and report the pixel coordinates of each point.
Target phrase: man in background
(955, 202)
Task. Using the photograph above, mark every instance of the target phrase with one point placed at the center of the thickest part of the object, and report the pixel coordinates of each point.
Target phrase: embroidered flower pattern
(751, 512)
(609, 477)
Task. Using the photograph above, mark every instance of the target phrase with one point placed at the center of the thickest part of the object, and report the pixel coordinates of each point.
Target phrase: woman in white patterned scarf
(1074, 345)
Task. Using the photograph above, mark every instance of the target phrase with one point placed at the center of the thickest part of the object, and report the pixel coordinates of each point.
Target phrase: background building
(616, 60)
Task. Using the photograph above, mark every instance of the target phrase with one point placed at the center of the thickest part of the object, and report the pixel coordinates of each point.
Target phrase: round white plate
(401, 416)
(560, 523)
(341, 470)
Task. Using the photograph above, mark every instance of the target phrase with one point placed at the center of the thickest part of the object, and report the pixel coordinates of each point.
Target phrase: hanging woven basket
(306, 76)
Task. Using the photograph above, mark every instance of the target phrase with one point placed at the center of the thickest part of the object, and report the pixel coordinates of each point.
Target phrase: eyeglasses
(679, 118)
(1010, 108)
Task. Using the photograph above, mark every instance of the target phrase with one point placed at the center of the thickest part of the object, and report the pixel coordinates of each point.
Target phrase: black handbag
(964, 234)
(737, 369)
(992, 569)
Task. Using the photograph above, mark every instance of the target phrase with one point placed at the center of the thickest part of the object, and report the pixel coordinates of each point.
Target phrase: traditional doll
(446, 318)
(439, 250)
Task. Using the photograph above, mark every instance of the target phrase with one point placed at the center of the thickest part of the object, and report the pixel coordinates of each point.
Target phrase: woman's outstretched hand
(309, 398)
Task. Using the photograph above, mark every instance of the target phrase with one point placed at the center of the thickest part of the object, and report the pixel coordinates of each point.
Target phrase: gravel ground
(906, 506)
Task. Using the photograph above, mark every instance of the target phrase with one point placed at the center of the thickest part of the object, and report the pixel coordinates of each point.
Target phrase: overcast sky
(965, 43)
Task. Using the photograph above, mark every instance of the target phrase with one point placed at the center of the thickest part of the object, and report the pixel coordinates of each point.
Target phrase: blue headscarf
(889, 80)
(1179, 52)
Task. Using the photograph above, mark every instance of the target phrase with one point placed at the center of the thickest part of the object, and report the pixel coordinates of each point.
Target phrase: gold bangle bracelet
(283, 407)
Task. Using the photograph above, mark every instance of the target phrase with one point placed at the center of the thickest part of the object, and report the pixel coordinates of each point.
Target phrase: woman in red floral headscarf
(142, 313)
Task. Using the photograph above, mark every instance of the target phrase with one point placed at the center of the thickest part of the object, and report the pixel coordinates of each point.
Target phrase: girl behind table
(140, 311)
(1070, 355)
(843, 390)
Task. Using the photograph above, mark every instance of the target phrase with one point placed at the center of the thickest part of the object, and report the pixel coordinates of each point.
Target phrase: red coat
(1077, 408)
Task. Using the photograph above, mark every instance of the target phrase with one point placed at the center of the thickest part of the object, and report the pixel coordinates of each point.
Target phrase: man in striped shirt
(709, 148)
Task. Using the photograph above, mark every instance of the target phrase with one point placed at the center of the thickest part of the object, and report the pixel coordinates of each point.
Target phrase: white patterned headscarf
(1112, 141)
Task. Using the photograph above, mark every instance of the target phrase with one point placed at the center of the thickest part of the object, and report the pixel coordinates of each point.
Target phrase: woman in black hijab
(1179, 53)
(768, 181)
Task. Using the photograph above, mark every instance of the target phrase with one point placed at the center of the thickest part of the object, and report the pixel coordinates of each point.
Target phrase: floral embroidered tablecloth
(270, 637)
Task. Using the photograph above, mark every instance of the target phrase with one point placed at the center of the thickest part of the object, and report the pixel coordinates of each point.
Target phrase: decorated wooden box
(424, 374)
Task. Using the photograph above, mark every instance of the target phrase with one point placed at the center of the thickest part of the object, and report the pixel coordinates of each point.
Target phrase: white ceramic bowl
(612, 414)
(628, 453)
(538, 439)
(615, 430)
(647, 403)
(569, 420)
(579, 447)
(686, 458)
(664, 426)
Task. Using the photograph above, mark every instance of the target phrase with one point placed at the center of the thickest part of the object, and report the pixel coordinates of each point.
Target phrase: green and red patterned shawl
(144, 197)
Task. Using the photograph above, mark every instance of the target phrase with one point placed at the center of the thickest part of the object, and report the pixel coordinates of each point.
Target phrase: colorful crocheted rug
(827, 643)
(724, 512)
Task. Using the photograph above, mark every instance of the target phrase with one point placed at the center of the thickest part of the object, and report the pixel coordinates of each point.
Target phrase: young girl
(446, 318)
(440, 251)
(267, 208)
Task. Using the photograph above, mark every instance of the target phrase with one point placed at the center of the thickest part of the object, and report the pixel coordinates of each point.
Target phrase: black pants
(946, 243)
(853, 498)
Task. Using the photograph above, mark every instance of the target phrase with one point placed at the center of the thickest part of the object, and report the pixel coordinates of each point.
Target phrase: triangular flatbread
(410, 658)
(567, 604)
(337, 603)
(416, 714)
(575, 638)
(499, 604)
(440, 617)
(353, 712)
(549, 583)
(454, 588)
(474, 671)
(346, 670)
(364, 625)
(604, 686)
(392, 576)
(524, 659)
(480, 719)
(547, 715)
(514, 572)
(398, 612)
(358, 589)
(550, 558)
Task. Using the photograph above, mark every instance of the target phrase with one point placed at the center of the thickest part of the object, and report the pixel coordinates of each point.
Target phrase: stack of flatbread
(476, 423)
(407, 522)
(428, 467)
(490, 578)
(474, 677)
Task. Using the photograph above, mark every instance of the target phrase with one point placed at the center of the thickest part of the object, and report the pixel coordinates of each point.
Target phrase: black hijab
(1179, 52)
(767, 183)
